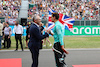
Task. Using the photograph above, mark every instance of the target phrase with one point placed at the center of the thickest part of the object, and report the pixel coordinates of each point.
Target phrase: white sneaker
(44, 45)
(50, 44)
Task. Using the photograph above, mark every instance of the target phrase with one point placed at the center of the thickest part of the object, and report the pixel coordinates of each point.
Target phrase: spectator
(1, 27)
(18, 33)
(7, 35)
(4, 25)
(46, 39)
(41, 30)
(27, 33)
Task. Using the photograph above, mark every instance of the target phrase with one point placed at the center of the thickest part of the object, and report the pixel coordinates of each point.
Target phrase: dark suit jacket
(35, 36)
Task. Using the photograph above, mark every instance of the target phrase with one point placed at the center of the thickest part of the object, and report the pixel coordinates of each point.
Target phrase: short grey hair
(17, 21)
(35, 17)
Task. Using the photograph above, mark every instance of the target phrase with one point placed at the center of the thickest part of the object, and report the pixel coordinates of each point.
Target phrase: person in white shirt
(7, 35)
(1, 27)
(18, 33)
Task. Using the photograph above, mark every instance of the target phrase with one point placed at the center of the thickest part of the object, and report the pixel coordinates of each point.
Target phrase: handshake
(50, 32)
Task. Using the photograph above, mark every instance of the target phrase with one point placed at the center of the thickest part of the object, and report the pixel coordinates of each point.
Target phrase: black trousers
(57, 55)
(35, 54)
(8, 41)
(18, 37)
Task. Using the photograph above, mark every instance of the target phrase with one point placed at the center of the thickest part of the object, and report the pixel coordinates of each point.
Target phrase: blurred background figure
(41, 27)
(27, 33)
(46, 39)
(7, 35)
(18, 34)
(41, 30)
(1, 27)
(4, 25)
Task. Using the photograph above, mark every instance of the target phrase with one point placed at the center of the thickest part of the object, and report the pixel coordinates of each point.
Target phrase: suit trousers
(18, 37)
(35, 54)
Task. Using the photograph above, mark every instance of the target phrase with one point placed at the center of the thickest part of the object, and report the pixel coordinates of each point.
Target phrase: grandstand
(9, 10)
(80, 10)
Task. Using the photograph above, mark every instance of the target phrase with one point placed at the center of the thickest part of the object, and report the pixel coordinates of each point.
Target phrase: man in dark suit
(35, 40)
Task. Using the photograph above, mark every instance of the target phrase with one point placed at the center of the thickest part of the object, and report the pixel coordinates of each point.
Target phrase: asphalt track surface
(46, 57)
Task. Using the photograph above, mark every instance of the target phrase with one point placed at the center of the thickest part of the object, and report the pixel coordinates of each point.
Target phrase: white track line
(51, 49)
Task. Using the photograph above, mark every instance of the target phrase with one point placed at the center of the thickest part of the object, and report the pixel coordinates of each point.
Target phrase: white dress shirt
(18, 29)
(7, 30)
(36, 24)
(1, 27)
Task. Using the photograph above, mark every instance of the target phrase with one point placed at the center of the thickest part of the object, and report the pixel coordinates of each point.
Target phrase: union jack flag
(64, 19)
(50, 23)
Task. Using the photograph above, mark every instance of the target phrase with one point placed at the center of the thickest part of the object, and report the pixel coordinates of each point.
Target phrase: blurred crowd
(40, 8)
(78, 9)
(9, 9)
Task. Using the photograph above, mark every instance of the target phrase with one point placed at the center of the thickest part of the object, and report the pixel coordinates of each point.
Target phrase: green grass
(82, 42)
(70, 42)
